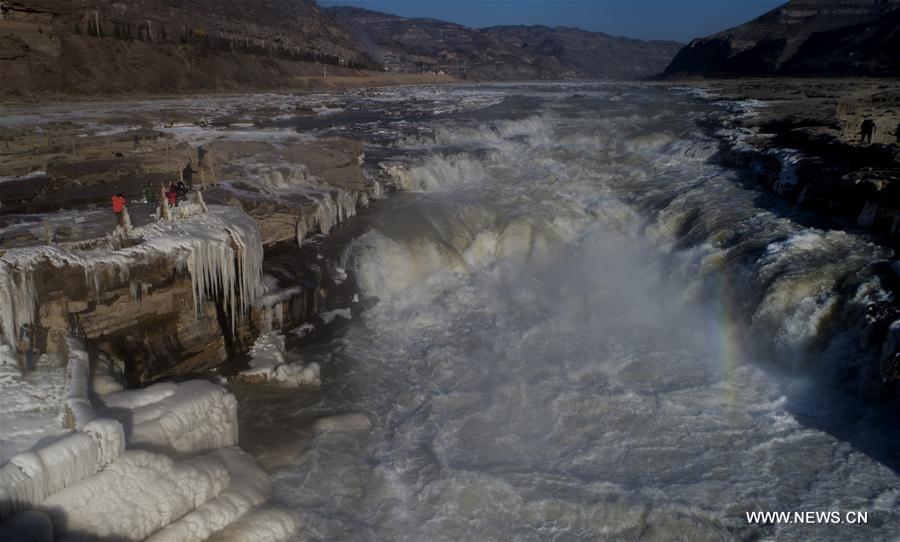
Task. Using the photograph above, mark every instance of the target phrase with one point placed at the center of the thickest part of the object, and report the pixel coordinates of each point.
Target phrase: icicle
(302, 231)
(867, 216)
(201, 201)
(222, 252)
(377, 190)
(232, 275)
(126, 220)
(18, 298)
(279, 315)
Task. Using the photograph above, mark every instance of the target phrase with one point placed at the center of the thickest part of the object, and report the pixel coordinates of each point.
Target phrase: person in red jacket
(172, 195)
(118, 204)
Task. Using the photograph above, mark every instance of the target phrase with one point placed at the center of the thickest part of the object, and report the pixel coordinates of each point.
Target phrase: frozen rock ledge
(170, 291)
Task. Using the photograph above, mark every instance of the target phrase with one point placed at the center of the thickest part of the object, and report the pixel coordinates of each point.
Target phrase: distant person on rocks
(201, 156)
(187, 174)
(181, 190)
(867, 130)
(118, 204)
(150, 196)
(26, 338)
(172, 195)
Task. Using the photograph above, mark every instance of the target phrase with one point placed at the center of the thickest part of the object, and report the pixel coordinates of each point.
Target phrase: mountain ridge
(512, 52)
(801, 37)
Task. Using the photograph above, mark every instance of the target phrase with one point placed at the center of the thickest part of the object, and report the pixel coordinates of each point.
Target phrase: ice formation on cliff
(332, 208)
(271, 303)
(221, 249)
(17, 293)
(30, 404)
(78, 377)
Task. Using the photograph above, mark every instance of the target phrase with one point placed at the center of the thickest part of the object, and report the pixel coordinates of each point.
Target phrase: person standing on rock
(172, 195)
(201, 164)
(867, 130)
(181, 190)
(118, 204)
(187, 175)
(150, 192)
(26, 340)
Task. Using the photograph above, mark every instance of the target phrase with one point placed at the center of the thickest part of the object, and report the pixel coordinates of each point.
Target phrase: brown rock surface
(838, 174)
(59, 48)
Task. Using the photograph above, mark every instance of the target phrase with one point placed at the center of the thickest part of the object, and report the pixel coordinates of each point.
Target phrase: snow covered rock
(137, 495)
(105, 376)
(303, 330)
(179, 419)
(86, 484)
(266, 525)
(133, 399)
(31, 404)
(295, 374)
(67, 461)
(268, 365)
(144, 494)
(30, 477)
(249, 487)
(18, 490)
(109, 435)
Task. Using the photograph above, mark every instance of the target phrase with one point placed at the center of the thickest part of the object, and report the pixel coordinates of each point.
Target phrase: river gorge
(544, 311)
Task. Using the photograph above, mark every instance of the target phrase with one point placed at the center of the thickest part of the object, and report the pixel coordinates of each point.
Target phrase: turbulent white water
(587, 330)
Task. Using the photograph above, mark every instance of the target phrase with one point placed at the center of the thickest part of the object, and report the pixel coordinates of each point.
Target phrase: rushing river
(586, 329)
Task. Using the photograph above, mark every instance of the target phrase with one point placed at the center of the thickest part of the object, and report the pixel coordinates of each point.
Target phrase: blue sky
(680, 20)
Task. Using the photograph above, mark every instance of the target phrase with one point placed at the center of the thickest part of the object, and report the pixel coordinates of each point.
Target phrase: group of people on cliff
(175, 193)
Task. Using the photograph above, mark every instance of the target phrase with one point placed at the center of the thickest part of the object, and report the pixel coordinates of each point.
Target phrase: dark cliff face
(802, 37)
(502, 52)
